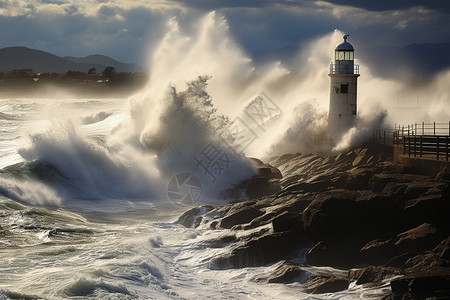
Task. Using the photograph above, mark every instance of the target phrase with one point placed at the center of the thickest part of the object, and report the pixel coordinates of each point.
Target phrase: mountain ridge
(18, 57)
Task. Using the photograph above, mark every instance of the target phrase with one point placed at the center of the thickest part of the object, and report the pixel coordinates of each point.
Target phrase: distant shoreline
(55, 91)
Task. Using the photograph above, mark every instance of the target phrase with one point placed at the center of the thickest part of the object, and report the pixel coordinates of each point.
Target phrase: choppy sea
(81, 215)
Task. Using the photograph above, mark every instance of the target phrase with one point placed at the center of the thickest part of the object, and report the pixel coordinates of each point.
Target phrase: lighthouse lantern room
(343, 89)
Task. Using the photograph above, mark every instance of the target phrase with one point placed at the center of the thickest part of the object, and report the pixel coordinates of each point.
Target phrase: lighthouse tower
(343, 77)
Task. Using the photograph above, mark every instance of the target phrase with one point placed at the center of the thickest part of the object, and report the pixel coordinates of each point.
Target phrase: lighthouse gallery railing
(343, 69)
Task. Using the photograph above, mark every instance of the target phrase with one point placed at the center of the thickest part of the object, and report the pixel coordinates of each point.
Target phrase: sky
(127, 30)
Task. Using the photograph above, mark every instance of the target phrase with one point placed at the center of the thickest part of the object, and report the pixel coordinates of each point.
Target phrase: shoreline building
(343, 90)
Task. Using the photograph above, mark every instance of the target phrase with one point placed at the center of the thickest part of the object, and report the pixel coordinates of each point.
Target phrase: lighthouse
(343, 89)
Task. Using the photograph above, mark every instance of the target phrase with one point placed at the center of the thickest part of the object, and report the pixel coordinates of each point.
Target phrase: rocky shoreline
(357, 211)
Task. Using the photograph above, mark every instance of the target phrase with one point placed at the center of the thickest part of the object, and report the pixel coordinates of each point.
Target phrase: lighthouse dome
(344, 45)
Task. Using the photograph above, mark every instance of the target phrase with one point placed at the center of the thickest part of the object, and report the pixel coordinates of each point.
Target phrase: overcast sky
(127, 29)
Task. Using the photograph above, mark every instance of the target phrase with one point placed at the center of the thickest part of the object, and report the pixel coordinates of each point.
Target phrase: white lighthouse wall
(343, 109)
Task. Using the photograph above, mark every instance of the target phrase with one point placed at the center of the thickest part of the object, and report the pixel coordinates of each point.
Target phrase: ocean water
(82, 216)
(90, 189)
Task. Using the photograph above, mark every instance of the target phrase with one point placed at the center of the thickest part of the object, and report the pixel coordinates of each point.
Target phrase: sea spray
(88, 168)
(363, 130)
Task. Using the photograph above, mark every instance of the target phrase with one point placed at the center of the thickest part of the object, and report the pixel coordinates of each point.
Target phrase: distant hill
(421, 61)
(12, 58)
(106, 61)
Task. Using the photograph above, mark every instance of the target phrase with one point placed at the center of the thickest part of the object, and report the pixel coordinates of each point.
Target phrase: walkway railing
(418, 139)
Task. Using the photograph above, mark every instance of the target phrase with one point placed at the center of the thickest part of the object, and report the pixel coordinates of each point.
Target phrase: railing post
(404, 145)
(423, 128)
(437, 147)
(415, 128)
(434, 128)
(446, 148)
(415, 143)
(409, 146)
(420, 146)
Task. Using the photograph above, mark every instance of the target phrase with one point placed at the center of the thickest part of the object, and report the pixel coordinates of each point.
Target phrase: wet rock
(419, 239)
(330, 215)
(373, 275)
(379, 252)
(260, 221)
(421, 287)
(188, 218)
(358, 180)
(287, 221)
(429, 208)
(326, 283)
(220, 241)
(261, 250)
(292, 203)
(286, 272)
(242, 216)
(445, 253)
(380, 181)
(338, 253)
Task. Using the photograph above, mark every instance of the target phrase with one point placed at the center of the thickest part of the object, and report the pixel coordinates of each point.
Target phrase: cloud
(127, 30)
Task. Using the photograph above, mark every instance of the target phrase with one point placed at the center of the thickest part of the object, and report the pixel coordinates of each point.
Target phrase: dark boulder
(220, 241)
(330, 215)
(358, 179)
(373, 275)
(188, 218)
(380, 252)
(419, 239)
(430, 208)
(326, 283)
(286, 272)
(242, 216)
(421, 287)
(337, 253)
(261, 250)
(287, 221)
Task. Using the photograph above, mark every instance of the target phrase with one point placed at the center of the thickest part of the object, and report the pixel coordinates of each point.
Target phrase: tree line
(108, 78)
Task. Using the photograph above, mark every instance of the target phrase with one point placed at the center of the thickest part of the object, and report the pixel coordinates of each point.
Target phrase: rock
(372, 276)
(292, 203)
(421, 287)
(286, 272)
(220, 241)
(377, 215)
(379, 181)
(326, 283)
(445, 254)
(265, 182)
(261, 250)
(242, 216)
(188, 218)
(287, 221)
(358, 179)
(419, 239)
(338, 253)
(260, 221)
(429, 208)
(259, 187)
(330, 215)
(379, 252)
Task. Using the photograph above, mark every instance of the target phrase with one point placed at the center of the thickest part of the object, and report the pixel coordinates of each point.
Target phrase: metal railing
(421, 145)
(418, 139)
(424, 129)
(343, 69)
